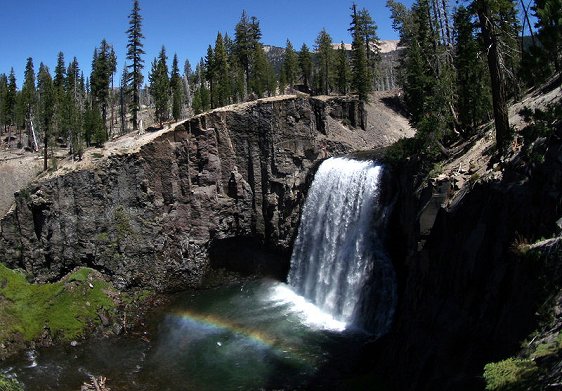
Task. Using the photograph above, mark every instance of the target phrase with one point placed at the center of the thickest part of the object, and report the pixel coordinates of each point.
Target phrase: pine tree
(134, 55)
(60, 72)
(360, 80)
(159, 86)
(74, 99)
(290, 64)
(368, 30)
(188, 84)
(305, 64)
(473, 97)
(103, 67)
(204, 95)
(549, 23)
(247, 37)
(59, 98)
(237, 82)
(123, 104)
(10, 103)
(259, 76)
(176, 86)
(491, 14)
(343, 70)
(221, 73)
(3, 96)
(20, 117)
(46, 108)
(29, 95)
(325, 58)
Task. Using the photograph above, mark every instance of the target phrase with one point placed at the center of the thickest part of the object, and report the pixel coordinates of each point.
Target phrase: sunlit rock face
(148, 217)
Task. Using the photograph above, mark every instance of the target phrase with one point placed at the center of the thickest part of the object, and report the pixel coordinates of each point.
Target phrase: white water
(338, 260)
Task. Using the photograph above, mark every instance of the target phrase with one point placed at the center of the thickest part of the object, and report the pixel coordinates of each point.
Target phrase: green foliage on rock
(510, 374)
(7, 384)
(66, 308)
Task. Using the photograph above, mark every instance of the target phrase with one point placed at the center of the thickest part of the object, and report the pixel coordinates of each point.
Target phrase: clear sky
(41, 28)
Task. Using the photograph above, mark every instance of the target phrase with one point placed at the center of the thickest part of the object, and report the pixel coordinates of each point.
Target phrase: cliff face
(151, 217)
(468, 294)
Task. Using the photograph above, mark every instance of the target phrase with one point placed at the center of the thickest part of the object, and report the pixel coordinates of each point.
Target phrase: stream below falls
(255, 335)
(261, 334)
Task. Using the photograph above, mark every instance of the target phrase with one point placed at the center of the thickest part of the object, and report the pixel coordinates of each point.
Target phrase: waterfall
(338, 260)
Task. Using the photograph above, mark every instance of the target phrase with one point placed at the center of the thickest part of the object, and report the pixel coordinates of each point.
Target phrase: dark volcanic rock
(150, 217)
(467, 296)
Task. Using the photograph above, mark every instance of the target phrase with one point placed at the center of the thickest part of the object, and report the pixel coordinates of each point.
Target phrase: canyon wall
(216, 184)
(468, 292)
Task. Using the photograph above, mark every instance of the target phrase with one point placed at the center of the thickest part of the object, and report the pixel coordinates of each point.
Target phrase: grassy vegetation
(510, 374)
(9, 384)
(66, 308)
(548, 348)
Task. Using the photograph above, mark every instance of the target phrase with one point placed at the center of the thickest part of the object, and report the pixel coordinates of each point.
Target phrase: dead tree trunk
(490, 35)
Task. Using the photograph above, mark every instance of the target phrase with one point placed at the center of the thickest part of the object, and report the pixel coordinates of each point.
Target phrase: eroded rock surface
(149, 216)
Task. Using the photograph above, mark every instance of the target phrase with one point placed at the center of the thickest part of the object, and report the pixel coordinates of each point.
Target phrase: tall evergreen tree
(59, 129)
(134, 55)
(290, 64)
(159, 86)
(491, 14)
(176, 87)
(10, 102)
(210, 74)
(259, 77)
(473, 98)
(46, 108)
(305, 64)
(235, 71)
(3, 97)
(549, 23)
(74, 100)
(360, 80)
(368, 30)
(123, 104)
(187, 82)
(60, 72)
(247, 37)
(221, 72)
(103, 67)
(204, 94)
(325, 58)
(343, 70)
(29, 95)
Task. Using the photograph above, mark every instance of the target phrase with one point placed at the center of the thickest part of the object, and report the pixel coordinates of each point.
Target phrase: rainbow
(258, 338)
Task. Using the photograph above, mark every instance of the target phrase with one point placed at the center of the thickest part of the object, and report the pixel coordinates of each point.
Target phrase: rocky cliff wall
(468, 295)
(150, 217)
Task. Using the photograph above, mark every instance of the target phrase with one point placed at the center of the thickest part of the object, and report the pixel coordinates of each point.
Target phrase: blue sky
(41, 28)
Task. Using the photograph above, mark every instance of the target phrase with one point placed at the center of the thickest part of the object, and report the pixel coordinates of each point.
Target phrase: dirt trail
(16, 171)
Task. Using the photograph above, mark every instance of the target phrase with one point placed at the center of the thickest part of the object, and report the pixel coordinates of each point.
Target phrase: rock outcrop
(468, 295)
(152, 216)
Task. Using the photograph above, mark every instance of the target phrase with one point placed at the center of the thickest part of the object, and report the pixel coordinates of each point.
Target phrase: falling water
(338, 260)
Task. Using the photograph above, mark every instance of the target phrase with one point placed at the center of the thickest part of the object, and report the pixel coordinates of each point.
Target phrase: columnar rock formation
(149, 217)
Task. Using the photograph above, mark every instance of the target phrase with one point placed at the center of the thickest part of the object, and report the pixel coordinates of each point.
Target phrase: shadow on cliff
(467, 296)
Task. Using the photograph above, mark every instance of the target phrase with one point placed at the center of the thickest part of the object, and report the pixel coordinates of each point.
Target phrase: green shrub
(7, 384)
(510, 374)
